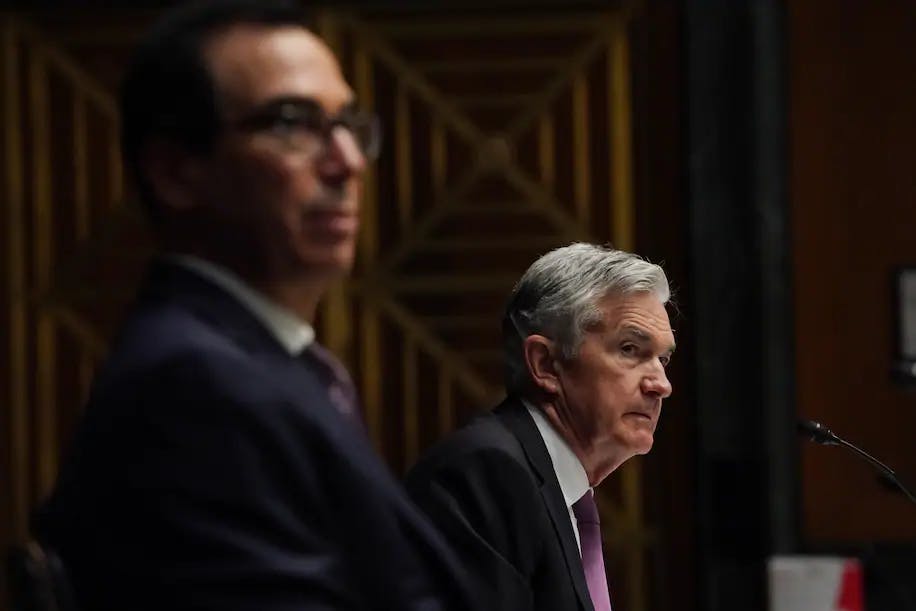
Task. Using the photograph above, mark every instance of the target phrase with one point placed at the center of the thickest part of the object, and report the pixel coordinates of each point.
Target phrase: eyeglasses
(301, 125)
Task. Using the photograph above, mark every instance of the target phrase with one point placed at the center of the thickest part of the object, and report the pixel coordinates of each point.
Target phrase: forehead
(252, 64)
(643, 311)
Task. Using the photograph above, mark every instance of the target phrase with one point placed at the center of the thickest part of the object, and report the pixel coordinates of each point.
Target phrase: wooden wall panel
(507, 134)
(853, 192)
(661, 235)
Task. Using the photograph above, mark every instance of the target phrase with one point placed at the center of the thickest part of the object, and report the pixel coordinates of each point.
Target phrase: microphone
(817, 432)
(820, 434)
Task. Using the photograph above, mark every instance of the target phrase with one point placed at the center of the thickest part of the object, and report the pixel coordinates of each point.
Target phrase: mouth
(334, 223)
(639, 415)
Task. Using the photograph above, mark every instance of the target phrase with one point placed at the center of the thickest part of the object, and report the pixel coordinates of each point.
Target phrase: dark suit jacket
(212, 472)
(492, 490)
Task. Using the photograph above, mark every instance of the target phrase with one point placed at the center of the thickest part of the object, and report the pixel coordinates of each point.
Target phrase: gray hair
(558, 297)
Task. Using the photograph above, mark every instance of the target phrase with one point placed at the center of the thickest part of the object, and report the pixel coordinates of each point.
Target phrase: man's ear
(541, 364)
(172, 173)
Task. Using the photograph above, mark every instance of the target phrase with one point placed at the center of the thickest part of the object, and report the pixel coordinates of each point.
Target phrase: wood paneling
(661, 236)
(853, 193)
(507, 133)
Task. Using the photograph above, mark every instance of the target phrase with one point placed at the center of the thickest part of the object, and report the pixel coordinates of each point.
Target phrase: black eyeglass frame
(283, 115)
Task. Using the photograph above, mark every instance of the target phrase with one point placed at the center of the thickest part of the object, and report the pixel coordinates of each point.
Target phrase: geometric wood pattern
(505, 135)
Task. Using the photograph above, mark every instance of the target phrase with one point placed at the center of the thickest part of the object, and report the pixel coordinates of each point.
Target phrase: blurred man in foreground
(587, 340)
(221, 463)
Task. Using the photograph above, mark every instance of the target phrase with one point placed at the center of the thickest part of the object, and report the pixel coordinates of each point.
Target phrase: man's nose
(656, 383)
(343, 157)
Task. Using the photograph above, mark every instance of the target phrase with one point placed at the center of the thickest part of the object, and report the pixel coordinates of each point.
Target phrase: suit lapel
(516, 417)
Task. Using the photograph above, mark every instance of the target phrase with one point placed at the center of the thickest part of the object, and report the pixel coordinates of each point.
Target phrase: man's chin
(633, 443)
(644, 446)
(335, 262)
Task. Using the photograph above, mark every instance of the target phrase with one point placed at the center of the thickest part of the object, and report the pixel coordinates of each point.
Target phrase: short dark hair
(167, 90)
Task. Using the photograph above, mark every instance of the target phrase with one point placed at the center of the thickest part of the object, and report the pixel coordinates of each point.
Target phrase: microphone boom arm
(820, 434)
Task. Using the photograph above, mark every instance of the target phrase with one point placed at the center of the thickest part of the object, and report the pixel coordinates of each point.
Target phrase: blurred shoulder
(170, 357)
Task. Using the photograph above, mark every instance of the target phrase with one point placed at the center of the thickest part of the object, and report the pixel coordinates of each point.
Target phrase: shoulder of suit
(485, 445)
(484, 433)
(169, 352)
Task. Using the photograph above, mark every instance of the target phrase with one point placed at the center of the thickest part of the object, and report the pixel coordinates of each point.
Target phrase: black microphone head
(816, 432)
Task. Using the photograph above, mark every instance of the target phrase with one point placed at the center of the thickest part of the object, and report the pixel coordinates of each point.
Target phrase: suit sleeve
(231, 498)
(487, 506)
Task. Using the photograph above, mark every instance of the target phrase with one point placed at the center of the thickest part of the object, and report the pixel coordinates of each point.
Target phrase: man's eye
(284, 124)
(290, 119)
(629, 349)
(665, 360)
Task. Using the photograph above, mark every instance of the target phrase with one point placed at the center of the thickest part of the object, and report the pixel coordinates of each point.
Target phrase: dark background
(774, 176)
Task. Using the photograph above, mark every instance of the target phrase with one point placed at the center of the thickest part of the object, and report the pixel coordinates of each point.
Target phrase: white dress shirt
(292, 332)
(570, 472)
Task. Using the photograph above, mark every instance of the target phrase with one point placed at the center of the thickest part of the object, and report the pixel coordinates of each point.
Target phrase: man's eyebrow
(640, 334)
(302, 101)
(287, 99)
(643, 336)
(350, 106)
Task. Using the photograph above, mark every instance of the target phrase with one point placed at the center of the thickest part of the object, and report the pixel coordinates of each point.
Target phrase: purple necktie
(340, 386)
(586, 512)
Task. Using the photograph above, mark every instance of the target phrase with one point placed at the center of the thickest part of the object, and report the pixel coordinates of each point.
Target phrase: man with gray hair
(587, 339)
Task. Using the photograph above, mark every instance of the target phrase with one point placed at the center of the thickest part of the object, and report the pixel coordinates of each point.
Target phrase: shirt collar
(292, 332)
(570, 472)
